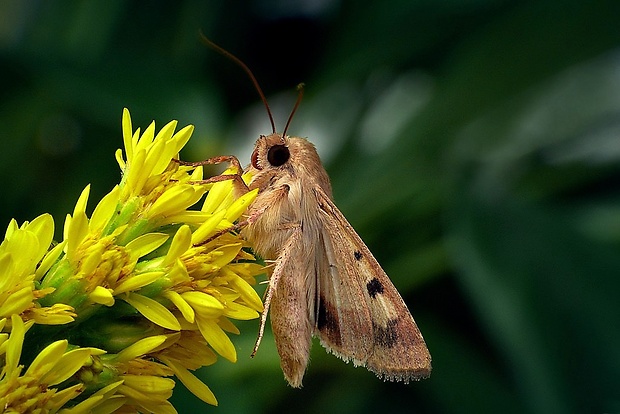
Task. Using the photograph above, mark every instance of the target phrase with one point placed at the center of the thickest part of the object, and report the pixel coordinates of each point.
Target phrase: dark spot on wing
(327, 322)
(374, 287)
(386, 336)
(358, 255)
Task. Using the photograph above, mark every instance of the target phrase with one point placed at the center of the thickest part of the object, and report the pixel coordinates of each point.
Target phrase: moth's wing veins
(360, 314)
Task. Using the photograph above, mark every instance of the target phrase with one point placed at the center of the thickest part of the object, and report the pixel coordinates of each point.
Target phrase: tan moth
(325, 281)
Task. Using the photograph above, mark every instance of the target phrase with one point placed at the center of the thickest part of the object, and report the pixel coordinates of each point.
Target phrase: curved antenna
(300, 95)
(247, 70)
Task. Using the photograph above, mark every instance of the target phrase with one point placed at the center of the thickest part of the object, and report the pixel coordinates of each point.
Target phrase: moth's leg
(238, 183)
(234, 161)
(221, 177)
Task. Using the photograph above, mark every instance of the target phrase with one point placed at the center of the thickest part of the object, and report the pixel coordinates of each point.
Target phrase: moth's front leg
(238, 184)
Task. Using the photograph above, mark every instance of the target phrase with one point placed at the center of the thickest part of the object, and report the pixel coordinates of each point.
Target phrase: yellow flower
(148, 287)
(33, 390)
(21, 251)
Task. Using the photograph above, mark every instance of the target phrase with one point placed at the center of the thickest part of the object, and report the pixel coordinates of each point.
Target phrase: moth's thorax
(285, 192)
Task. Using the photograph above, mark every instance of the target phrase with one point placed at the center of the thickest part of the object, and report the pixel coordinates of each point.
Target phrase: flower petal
(47, 358)
(61, 397)
(145, 244)
(248, 294)
(67, 365)
(141, 347)
(197, 387)
(138, 281)
(204, 304)
(186, 310)
(240, 205)
(181, 242)
(153, 311)
(102, 296)
(217, 338)
(239, 312)
(218, 193)
(207, 228)
(127, 133)
(43, 227)
(105, 209)
(49, 259)
(175, 199)
(15, 343)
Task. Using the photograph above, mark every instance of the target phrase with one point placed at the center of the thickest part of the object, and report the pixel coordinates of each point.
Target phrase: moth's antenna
(300, 95)
(247, 70)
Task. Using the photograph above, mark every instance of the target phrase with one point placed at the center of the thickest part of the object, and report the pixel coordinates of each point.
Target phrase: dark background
(474, 145)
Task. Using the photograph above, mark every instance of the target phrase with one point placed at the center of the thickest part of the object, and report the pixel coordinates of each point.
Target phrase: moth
(325, 282)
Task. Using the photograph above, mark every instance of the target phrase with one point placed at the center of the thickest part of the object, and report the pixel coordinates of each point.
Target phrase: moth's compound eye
(278, 155)
(254, 160)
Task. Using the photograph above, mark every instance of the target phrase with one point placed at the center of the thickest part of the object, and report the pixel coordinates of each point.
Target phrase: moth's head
(270, 151)
(274, 151)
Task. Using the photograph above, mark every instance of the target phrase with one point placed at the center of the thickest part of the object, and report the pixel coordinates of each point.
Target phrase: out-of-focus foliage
(474, 145)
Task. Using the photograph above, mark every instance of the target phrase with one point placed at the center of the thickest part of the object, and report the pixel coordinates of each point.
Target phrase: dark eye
(278, 155)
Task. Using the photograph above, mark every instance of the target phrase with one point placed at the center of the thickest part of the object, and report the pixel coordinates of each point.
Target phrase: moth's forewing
(361, 315)
(341, 314)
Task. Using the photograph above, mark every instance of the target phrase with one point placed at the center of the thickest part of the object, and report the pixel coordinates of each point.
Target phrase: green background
(474, 145)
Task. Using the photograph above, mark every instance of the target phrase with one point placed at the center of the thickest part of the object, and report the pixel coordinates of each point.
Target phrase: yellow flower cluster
(142, 290)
